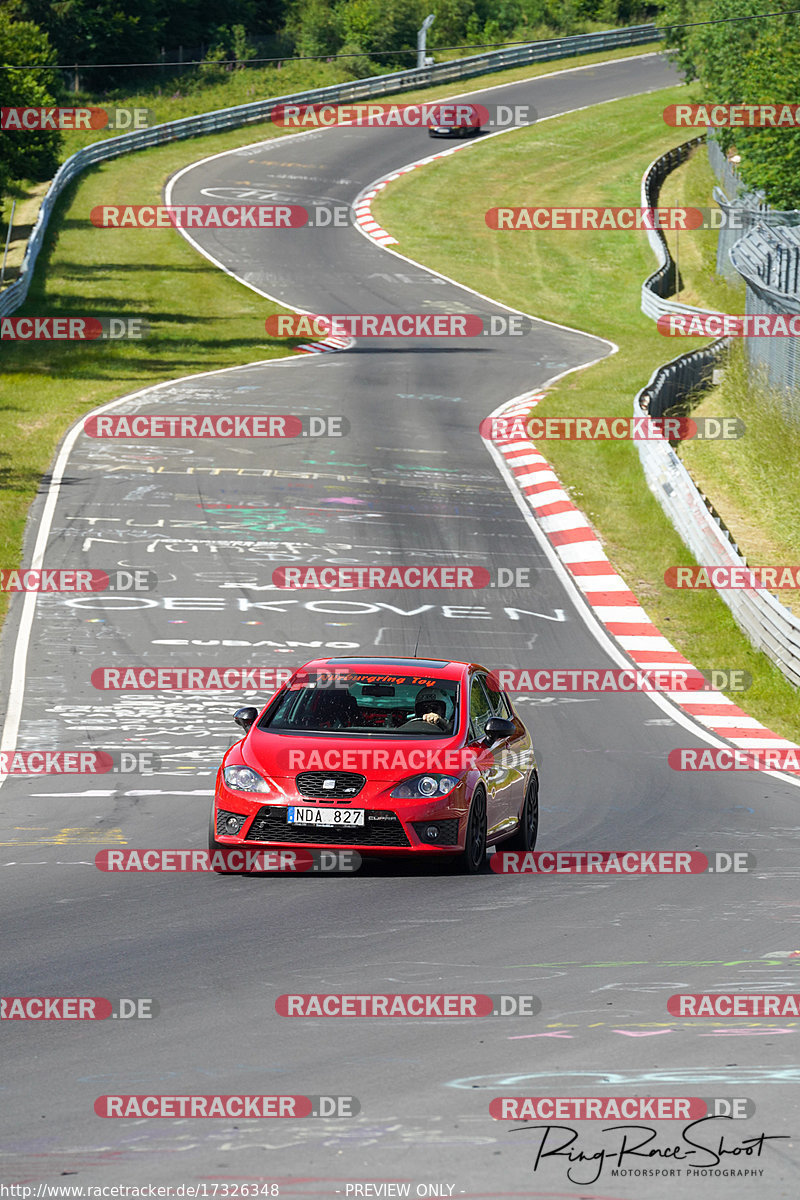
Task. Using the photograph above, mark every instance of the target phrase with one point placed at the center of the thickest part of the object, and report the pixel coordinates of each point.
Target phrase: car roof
(438, 668)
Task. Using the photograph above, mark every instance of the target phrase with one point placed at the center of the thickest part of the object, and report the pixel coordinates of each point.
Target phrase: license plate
(338, 817)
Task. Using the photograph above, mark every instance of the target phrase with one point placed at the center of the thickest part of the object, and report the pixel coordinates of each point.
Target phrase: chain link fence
(768, 259)
(761, 245)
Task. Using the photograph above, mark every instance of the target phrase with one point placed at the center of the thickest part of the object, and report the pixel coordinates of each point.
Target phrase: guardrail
(259, 110)
(766, 622)
(663, 282)
(769, 625)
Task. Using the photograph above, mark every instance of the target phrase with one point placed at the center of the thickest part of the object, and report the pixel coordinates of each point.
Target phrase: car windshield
(367, 704)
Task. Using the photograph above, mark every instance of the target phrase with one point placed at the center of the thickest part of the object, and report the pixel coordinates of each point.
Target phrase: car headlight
(244, 779)
(424, 787)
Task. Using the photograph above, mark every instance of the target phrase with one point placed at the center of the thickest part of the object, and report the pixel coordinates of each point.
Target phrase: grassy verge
(590, 281)
(765, 521)
(695, 251)
(200, 319)
(195, 96)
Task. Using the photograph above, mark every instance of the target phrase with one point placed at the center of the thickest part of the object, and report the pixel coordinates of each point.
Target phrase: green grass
(691, 185)
(765, 517)
(765, 521)
(591, 281)
(200, 319)
(191, 97)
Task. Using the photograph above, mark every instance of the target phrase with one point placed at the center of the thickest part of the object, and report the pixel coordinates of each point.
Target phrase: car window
(366, 705)
(479, 708)
(497, 700)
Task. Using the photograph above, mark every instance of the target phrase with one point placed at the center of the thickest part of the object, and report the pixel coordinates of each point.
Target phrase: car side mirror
(497, 728)
(245, 717)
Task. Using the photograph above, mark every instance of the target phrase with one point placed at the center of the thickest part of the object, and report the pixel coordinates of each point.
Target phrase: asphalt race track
(412, 482)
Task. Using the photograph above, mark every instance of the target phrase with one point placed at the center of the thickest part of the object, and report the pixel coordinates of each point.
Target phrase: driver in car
(430, 705)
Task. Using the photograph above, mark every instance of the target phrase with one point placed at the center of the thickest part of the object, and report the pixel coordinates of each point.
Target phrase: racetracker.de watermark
(195, 1107)
(614, 429)
(453, 114)
(72, 329)
(733, 116)
(738, 325)
(358, 578)
(76, 1008)
(598, 1108)
(622, 862)
(395, 758)
(190, 679)
(79, 762)
(78, 579)
(28, 119)
(314, 215)
(674, 220)
(145, 426)
(726, 1004)
(239, 860)
(733, 577)
(398, 325)
(597, 217)
(638, 679)
(199, 216)
(730, 758)
(405, 1004)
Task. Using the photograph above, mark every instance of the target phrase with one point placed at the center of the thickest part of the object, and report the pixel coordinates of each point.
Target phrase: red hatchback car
(386, 756)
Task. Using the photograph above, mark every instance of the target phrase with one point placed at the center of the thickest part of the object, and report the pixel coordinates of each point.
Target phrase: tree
(313, 28)
(98, 31)
(770, 158)
(754, 61)
(27, 154)
(376, 25)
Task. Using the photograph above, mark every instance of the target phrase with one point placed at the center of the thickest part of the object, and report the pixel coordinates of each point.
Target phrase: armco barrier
(769, 625)
(662, 283)
(359, 89)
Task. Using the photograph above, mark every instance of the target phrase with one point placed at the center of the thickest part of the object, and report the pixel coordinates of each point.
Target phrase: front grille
(346, 784)
(380, 829)
(448, 831)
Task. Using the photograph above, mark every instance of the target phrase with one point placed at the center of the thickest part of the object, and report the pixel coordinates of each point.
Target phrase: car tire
(472, 859)
(524, 836)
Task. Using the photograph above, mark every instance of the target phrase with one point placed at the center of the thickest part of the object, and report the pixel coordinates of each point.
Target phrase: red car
(386, 756)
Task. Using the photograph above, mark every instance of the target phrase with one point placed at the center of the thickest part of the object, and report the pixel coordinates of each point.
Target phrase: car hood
(282, 755)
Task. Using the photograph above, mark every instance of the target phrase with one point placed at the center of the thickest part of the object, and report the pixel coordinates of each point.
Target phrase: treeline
(94, 32)
(753, 61)
(110, 48)
(373, 27)
(136, 31)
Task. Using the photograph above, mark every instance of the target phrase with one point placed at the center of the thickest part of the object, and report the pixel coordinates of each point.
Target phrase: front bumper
(391, 826)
